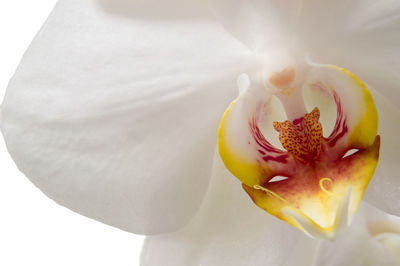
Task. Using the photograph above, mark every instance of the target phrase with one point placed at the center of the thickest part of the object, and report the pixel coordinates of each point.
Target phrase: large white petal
(261, 24)
(384, 189)
(228, 230)
(360, 35)
(114, 109)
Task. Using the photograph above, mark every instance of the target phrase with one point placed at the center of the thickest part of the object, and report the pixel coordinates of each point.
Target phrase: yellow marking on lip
(258, 187)
(246, 171)
(288, 91)
(321, 184)
(323, 188)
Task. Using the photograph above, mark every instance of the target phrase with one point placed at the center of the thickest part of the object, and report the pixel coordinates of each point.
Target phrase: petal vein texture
(113, 111)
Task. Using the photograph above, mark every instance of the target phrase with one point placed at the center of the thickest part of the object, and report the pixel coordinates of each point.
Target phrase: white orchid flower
(115, 108)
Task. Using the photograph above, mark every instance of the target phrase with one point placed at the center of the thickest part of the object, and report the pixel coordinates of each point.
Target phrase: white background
(33, 229)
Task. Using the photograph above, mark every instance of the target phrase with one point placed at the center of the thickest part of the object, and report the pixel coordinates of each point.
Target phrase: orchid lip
(342, 220)
(326, 169)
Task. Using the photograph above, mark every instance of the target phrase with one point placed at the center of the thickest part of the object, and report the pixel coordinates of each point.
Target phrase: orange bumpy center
(302, 137)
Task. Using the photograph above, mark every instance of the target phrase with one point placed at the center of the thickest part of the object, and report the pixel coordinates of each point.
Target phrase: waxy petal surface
(384, 190)
(260, 24)
(106, 112)
(358, 35)
(227, 230)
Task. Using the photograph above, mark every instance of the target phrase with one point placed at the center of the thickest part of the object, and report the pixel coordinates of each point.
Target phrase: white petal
(356, 247)
(228, 230)
(362, 36)
(384, 189)
(114, 109)
(260, 24)
(303, 254)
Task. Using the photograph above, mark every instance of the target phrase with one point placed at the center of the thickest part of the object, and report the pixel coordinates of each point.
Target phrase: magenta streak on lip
(280, 159)
(340, 128)
(298, 120)
(270, 153)
(265, 147)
